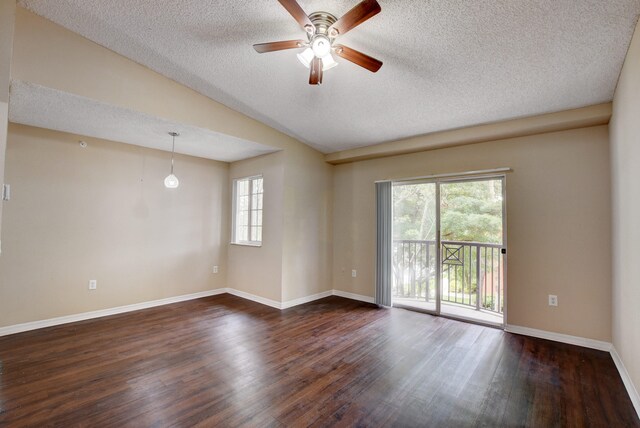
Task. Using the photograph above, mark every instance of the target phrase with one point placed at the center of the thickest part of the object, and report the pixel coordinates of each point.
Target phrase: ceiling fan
(322, 29)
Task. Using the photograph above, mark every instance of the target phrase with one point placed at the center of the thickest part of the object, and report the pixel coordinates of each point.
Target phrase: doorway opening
(449, 248)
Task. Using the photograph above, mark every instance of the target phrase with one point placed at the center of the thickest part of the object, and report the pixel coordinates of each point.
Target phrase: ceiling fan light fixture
(322, 29)
(305, 57)
(328, 62)
(321, 46)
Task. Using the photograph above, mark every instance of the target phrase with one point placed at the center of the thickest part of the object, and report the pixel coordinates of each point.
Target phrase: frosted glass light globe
(321, 46)
(171, 182)
(305, 57)
(328, 63)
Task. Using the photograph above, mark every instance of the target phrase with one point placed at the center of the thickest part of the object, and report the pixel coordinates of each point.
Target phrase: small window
(247, 210)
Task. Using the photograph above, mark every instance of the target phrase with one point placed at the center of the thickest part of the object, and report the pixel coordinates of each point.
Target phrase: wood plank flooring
(225, 361)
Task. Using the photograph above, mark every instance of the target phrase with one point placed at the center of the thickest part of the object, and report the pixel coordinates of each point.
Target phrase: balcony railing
(472, 273)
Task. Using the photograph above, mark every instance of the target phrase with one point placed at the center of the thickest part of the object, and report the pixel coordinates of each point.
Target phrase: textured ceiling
(447, 64)
(43, 107)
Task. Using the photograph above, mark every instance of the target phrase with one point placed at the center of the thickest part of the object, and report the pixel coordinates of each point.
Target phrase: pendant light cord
(173, 147)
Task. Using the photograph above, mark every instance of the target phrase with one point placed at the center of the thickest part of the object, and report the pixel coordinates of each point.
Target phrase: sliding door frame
(438, 253)
(462, 178)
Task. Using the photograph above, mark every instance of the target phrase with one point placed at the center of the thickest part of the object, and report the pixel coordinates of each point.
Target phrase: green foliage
(414, 212)
(472, 211)
(469, 211)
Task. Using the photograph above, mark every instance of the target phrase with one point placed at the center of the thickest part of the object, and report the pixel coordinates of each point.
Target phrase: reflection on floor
(453, 310)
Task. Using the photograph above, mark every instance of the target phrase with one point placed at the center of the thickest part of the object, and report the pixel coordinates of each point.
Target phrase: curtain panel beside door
(384, 237)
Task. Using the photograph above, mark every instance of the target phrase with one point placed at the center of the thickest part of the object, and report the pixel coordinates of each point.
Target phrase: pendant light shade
(172, 182)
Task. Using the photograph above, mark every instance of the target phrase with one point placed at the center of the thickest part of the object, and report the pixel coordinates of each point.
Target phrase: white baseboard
(587, 343)
(254, 298)
(34, 325)
(558, 337)
(300, 301)
(353, 296)
(307, 299)
(626, 379)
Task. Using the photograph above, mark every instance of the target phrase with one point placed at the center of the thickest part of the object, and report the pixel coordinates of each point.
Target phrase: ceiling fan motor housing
(322, 22)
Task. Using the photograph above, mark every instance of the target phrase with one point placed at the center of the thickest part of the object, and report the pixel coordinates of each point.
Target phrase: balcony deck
(455, 310)
(472, 275)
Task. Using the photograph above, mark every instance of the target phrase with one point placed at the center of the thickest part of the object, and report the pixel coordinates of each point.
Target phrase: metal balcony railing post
(428, 270)
(411, 254)
(478, 279)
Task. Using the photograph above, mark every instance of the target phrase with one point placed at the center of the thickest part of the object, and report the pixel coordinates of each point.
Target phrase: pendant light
(171, 182)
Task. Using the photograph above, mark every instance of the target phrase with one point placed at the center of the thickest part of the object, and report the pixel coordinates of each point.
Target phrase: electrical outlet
(93, 284)
(215, 269)
(354, 273)
(553, 300)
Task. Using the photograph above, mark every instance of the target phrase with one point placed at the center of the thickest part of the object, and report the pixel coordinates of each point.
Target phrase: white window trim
(234, 213)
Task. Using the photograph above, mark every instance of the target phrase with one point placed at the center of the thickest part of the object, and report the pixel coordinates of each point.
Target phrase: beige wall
(558, 223)
(258, 270)
(7, 24)
(49, 55)
(102, 212)
(295, 258)
(7, 19)
(625, 168)
(308, 232)
(4, 123)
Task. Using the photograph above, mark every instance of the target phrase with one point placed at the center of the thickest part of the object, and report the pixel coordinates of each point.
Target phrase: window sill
(246, 244)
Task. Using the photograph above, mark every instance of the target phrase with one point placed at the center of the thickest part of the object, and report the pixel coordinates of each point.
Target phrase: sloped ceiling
(48, 108)
(447, 64)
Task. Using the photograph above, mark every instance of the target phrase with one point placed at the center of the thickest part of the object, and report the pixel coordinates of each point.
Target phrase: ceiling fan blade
(299, 15)
(358, 58)
(279, 46)
(315, 77)
(355, 17)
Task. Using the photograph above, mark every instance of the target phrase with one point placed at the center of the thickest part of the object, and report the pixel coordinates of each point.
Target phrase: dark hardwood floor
(225, 361)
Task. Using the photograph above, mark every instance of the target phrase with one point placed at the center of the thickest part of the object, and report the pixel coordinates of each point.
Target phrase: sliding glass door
(472, 239)
(449, 247)
(415, 255)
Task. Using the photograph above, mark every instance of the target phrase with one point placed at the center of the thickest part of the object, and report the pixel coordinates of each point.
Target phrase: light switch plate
(6, 192)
